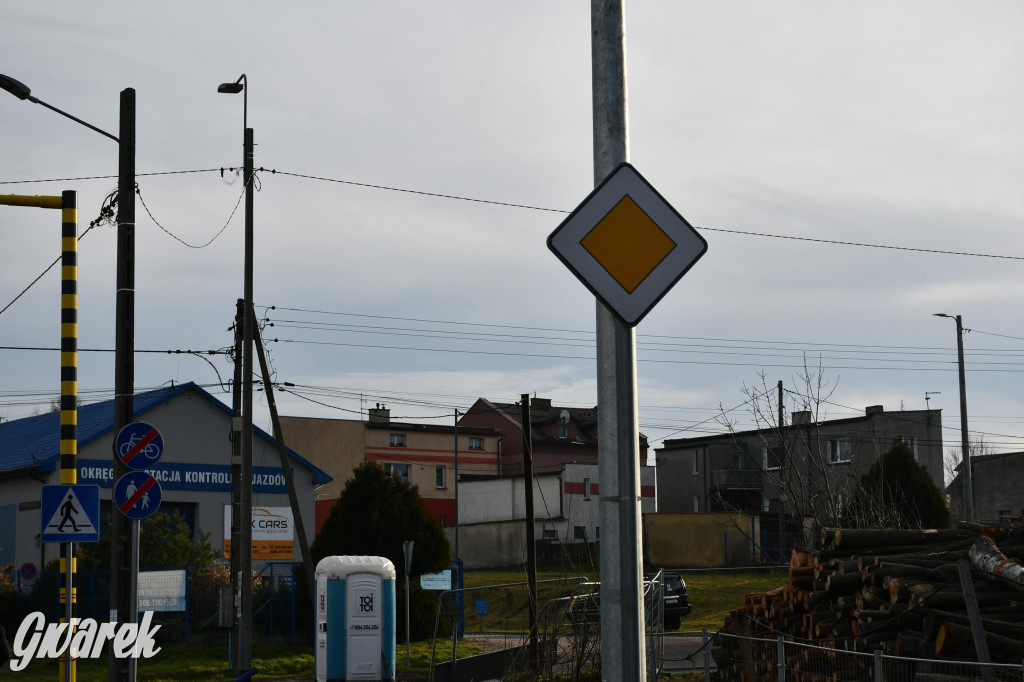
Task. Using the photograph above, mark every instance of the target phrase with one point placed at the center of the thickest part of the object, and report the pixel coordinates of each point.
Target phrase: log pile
(897, 591)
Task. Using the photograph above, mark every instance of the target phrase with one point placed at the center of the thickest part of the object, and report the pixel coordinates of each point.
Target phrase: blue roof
(33, 443)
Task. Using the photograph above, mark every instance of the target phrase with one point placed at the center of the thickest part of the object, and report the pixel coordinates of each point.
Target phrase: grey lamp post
(242, 485)
(124, 536)
(964, 445)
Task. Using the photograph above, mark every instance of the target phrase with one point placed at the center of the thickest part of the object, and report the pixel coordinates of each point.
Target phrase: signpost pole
(622, 640)
(407, 550)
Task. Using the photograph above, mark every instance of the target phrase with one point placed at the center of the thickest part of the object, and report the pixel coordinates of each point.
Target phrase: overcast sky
(889, 124)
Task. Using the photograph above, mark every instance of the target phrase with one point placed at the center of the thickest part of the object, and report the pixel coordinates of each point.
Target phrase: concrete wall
(489, 545)
(334, 445)
(997, 481)
(504, 499)
(710, 540)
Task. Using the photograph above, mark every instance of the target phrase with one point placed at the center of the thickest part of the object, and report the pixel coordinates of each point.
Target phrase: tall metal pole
(245, 550)
(67, 202)
(456, 484)
(236, 494)
(622, 626)
(123, 531)
(964, 443)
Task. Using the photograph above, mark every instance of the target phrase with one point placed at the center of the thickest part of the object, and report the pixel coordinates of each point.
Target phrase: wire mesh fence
(566, 643)
(281, 605)
(724, 657)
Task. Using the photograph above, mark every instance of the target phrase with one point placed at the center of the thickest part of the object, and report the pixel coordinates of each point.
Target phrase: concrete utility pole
(622, 624)
(965, 452)
(242, 497)
(124, 532)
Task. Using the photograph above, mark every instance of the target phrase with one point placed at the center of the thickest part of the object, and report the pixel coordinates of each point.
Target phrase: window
(476, 443)
(737, 460)
(563, 432)
(400, 470)
(696, 504)
(579, 532)
(765, 504)
(694, 463)
(439, 476)
(396, 440)
(772, 458)
(586, 488)
(550, 534)
(911, 443)
(839, 451)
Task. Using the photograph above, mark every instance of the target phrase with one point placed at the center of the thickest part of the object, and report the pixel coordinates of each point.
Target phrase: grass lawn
(714, 595)
(206, 658)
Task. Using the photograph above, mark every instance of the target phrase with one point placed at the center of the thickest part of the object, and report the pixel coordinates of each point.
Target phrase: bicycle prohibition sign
(138, 445)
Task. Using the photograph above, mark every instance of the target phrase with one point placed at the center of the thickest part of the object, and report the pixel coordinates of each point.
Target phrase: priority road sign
(137, 494)
(138, 445)
(70, 513)
(627, 244)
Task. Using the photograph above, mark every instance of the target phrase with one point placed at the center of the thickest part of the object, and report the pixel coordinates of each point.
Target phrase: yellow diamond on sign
(628, 244)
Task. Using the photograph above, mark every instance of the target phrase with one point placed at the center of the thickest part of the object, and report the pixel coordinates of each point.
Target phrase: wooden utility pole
(531, 526)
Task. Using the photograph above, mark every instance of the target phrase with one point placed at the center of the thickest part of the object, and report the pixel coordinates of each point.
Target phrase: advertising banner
(273, 533)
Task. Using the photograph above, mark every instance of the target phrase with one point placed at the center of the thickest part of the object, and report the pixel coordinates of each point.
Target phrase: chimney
(800, 417)
(873, 409)
(379, 415)
(540, 403)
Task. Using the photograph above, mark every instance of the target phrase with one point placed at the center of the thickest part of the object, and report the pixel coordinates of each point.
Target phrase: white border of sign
(566, 240)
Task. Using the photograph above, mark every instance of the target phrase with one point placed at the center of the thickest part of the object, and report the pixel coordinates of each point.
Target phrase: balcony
(736, 479)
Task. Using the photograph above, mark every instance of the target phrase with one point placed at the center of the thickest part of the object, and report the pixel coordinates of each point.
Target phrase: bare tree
(977, 447)
(795, 461)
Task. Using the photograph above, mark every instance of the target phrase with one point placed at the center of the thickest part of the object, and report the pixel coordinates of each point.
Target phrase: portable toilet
(355, 618)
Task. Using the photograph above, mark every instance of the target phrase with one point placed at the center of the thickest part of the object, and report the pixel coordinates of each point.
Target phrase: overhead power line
(508, 204)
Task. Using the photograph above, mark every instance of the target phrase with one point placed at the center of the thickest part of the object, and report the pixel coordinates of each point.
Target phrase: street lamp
(124, 537)
(242, 487)
(964, 445)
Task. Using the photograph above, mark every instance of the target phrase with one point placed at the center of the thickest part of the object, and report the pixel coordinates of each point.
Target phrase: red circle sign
(27, 571)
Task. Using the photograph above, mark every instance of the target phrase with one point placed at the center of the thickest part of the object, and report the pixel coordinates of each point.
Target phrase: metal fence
(568, 633)
(280, 608)
(727, 658)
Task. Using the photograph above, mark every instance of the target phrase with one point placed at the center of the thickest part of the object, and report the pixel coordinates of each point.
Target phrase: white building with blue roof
(194, 471)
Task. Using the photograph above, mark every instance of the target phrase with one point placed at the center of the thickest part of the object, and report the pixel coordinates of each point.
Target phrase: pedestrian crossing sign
(70, 513)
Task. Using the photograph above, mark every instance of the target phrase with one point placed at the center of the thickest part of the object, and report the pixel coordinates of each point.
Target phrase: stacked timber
(897, 591)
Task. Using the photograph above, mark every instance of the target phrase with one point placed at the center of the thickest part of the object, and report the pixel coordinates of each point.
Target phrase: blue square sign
(71, 513)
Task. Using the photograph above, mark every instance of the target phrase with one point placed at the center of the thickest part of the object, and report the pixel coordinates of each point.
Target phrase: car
(676, 599)
(585, 608)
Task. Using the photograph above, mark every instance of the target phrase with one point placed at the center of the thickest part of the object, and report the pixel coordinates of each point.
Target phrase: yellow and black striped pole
(67, 202)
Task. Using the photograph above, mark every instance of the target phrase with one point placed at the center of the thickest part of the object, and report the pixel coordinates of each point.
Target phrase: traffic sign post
(70, 513)
(137, 494)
